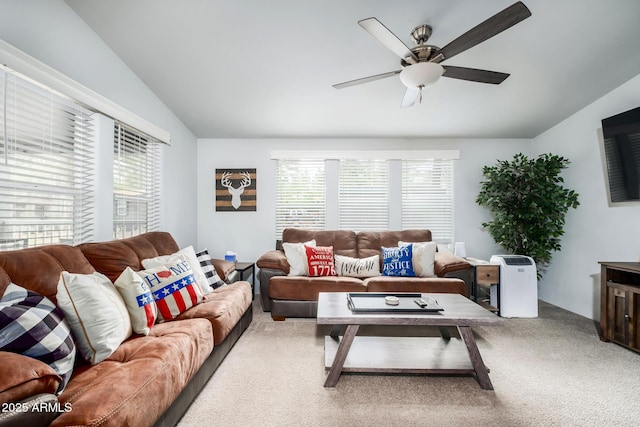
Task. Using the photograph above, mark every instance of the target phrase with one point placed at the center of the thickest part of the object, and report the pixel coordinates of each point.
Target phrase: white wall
(250, 234)
(593, 232)
(52, 33)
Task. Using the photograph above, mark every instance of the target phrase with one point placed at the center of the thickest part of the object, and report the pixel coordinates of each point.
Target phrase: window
(427, 197)
(136, 182)
(300, 200)
(46, 166)
(363, 195)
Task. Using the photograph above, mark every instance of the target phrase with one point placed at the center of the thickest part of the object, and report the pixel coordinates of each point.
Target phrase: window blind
(427, 197)
(46, 166)
(363, 202)
(300, 200)
(136, 182)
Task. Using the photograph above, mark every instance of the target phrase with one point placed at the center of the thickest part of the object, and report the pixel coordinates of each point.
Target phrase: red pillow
(320, 260)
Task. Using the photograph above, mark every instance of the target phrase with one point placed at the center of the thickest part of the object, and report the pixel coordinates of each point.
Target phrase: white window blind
(363, 202)
(136, 182)
(300, 200)
(427, 197)
(46, 166)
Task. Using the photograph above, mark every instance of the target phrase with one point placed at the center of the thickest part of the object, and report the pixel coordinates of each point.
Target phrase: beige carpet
(549, 371)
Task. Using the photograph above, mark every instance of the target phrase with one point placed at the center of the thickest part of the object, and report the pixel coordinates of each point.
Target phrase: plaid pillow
(32, 325)
(209, 270)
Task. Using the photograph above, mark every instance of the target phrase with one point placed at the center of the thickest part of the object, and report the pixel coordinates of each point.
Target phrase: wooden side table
(244, 267)
(485, 274)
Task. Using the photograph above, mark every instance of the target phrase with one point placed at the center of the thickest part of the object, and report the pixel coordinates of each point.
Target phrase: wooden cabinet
(620, 303)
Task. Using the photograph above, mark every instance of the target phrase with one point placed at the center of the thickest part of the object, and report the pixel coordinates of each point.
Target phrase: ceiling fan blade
(484, 31)
(474, 75)
(410, 98)
(366, 79)
(387, 38)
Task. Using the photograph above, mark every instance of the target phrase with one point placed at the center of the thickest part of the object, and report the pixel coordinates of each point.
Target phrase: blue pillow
(397, 261)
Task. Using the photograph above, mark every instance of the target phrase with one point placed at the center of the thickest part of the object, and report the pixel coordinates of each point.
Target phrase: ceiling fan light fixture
(420, 75)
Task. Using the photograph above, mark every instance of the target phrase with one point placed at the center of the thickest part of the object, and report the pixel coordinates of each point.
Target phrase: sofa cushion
(398, 261)
(343, 241)
(173, 286)
(308, 288)
(223, 308)
(446, 262)
(31, 325)
(320, 261)
(95, 312)
(140, 380)
(371, 242)
(357, 267)
(32, 378)
(416, 284)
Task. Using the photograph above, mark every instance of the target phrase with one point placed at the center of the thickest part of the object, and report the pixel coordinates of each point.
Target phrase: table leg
(341, 355)
(482, 373)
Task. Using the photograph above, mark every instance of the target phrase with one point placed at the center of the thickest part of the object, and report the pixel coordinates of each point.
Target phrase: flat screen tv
(622, 156)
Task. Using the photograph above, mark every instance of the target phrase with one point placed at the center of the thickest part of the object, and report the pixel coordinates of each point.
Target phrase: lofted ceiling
(265, 69)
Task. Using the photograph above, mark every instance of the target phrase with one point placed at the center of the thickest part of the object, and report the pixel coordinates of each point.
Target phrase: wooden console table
(620, 303)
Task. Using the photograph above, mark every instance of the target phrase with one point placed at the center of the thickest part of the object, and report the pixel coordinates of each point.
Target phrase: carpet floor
(548, 371)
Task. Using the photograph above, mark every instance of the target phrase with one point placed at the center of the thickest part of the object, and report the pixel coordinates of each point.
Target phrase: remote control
(421, 302)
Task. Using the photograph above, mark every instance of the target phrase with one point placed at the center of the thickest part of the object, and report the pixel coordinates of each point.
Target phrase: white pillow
(95, 312)
(297, 257)
(357, 267)
(424, 255)
(139, 301)
(192, 259)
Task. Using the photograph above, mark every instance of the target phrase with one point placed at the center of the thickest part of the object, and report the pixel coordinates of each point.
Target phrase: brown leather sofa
(297, 296)
(148, 380)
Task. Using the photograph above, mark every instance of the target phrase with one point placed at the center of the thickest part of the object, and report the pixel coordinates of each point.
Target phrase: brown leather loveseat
(148, 380)
(297, 296)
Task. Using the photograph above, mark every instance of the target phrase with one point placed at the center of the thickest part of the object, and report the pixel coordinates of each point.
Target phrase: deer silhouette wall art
(235, 189)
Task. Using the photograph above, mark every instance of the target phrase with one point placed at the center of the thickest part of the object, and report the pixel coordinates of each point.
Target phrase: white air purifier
(518, 292)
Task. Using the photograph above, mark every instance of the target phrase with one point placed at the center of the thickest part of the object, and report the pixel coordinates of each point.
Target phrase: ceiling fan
(421, 64)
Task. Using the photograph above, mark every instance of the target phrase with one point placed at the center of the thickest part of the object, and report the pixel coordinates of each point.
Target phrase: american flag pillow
(137, 297)
(32, 325)
(173, 287)
(209, 270)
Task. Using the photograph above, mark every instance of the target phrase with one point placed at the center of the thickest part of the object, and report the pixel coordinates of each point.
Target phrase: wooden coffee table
(395, 354)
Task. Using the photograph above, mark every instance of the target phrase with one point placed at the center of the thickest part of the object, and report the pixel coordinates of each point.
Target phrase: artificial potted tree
(528, 205)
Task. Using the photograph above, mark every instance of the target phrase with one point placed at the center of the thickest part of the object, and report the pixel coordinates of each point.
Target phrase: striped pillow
(209, 270)
(32, 325)
(174, 288)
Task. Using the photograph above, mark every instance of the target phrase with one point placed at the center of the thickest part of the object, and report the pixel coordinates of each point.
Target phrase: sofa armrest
(264, 276)
(35, 411)
(275, 260)
(446, 262)
(224, 268)
(22, 377)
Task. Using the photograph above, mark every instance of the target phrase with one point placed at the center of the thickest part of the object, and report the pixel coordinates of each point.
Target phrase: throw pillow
(192, 259)
(204, 259)
(173, 287)
(320, 260)
(32, 325)
(424, 255)
(95, 312)
(297, 257)
(139, 301)
(357, 267)
(397, 261)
